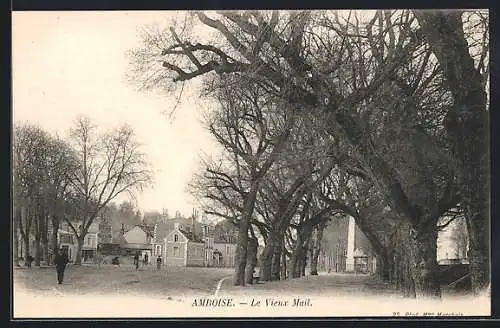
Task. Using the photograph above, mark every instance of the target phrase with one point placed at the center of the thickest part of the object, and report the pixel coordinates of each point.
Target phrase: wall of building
(361, 242)
(136, 236)
(175, 257)
(195, 254)
(228, 252)
(105, 233)
(334, 246)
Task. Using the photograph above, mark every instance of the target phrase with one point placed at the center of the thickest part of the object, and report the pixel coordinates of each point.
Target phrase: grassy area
(110, 291)
(333, 284)
(124, 280)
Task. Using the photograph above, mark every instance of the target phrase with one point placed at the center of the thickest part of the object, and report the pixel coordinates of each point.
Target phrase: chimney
(193, 219)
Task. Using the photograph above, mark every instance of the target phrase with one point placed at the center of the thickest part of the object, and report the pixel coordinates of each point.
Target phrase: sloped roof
(117, 238)
(136, 246)
(166, 227)
(149, 230)
(162, 231)
(192, 237)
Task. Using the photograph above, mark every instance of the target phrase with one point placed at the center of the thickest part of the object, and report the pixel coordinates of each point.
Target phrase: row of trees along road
(71, 180)
(380, 115)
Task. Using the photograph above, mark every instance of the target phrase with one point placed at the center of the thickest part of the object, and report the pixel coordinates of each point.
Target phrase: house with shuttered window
(184, 242)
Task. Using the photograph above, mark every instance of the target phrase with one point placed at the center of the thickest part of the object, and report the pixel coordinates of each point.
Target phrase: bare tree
(252, 129)
(467, 120)
(350, 67)
(30, 150)
(109, 165)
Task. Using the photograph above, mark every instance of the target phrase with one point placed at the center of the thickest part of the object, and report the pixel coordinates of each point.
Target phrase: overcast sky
(71, 63)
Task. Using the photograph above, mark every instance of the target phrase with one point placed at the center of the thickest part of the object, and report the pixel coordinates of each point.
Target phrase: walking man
(30, 260)
(99, 259)
(60, 261)
(158, 262)
(136, 260)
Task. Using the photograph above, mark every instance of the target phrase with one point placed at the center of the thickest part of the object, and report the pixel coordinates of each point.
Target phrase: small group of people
(145, 260)
(61, 260)
(29, 260)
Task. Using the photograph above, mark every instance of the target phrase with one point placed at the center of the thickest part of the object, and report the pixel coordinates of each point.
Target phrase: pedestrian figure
(115, 261)
(99, 259)
(30, 259)
(60, 261)
(136, 261)
(158, 262)
(146, 258)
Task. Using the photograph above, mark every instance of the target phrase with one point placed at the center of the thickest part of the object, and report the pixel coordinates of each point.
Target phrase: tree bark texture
(467, 125)
(246, 215)
(251, 259)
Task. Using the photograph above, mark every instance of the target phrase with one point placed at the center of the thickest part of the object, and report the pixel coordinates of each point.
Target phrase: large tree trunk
(479, 254)
(408, 282)
(266, 261)
(15, 236)
(246, 215)
(303, 258)
(303, 262)
(297, 256)
(253, 245)
(276, 261)
(25, 233)
(314, 263)
(79, 246)
(310, 251)
(467, 125)
(283, 262)
(295, 260)
(26, 240)
(53, 237)
(420, 263)
(316, 249)
(38, 245)
(267, 256)
(45, 240)
(398, 272)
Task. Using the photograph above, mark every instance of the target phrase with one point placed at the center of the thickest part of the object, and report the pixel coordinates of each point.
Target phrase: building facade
(182, 248)
(188, 242)
(224, 254)
(138, 240)
(345, 248)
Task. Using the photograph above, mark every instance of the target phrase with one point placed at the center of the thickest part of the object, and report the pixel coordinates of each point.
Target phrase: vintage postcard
(291, 163)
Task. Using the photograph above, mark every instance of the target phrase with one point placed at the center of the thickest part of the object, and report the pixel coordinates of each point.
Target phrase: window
(176, 238)
(90, 241)
(176, 251)
(158, 249)
(66, 239)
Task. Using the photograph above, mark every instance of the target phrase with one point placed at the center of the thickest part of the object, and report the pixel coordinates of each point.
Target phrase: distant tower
(164, 214)
(204, 218)
(351, 239)
(193, 221)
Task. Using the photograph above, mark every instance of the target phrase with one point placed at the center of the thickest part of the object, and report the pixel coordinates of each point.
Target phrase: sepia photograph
(250, 164)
